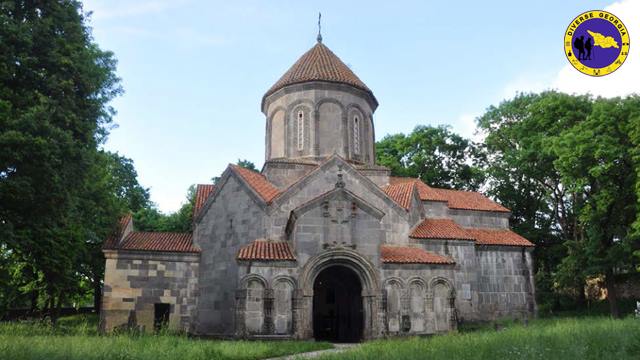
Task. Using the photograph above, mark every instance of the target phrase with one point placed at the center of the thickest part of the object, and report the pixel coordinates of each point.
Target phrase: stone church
(322, 243)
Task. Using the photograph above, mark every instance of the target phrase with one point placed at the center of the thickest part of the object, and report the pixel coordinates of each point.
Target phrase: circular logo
(596, 43)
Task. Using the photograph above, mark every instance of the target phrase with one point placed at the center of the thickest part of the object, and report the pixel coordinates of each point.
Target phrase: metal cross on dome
(319, 38)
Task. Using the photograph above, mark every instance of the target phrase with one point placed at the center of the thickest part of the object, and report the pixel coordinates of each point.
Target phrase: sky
(194, 72)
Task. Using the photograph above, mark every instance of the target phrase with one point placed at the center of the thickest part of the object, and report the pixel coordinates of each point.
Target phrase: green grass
(76, 338)
(565, 339)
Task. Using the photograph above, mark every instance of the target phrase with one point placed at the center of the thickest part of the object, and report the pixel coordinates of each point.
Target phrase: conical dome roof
(319, 64)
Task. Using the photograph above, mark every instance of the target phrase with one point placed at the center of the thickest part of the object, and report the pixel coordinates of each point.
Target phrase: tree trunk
(612, 294)
(582, 297)
(48, 307)
(34, 302)
(97, 294)
(55, 313)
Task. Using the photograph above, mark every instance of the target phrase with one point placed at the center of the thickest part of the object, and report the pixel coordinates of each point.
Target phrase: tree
(111, 190)
(151, 219)
(436, 155)
(247, 164)
(522, 175)
(124, 178)
(242, 163)
(566, 166)
(55, 86)
(596, 161)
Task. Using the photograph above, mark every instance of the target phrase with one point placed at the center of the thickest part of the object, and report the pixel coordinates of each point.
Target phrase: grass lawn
(76, 339)
(565, 339)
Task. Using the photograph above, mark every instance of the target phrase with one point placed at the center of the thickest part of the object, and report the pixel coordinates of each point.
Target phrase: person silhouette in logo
(579, 44)
(588, 45)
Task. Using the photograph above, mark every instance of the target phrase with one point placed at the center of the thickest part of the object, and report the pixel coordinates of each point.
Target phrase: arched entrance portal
(337, 305)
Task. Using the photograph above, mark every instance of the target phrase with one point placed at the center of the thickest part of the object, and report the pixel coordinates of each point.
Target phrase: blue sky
(194, 72)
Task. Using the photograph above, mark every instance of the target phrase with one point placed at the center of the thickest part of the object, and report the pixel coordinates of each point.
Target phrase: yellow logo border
(568, 40)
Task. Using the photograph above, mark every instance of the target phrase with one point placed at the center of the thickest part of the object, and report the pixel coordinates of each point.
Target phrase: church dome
(319, 64)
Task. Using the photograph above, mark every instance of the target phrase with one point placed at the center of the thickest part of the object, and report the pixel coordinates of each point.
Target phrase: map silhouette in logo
(596, 43)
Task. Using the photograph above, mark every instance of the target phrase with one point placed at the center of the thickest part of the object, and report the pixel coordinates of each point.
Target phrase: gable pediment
(339, 205)
(335, 172)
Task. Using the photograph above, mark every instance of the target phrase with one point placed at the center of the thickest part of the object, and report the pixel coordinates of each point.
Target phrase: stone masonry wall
(329, 110)
(396, 223)
(465, 273)
(417, 299)
(505, 282)
(134, 282)
(283, 174)
(480, 219)
(233, 220)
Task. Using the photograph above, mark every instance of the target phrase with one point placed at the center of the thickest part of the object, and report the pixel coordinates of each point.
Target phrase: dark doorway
(337, 305)
(161, 316)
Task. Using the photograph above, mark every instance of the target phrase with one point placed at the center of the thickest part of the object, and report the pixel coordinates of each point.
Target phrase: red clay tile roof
(159, 241)
(113, 239)
(470, 200)
(426, 192)
(202, 194)
(400, 193)
(318, 64)
(440, 229)
(456, 199)
(498, 237)
(258, 182)
(411, 255)
(266, 250)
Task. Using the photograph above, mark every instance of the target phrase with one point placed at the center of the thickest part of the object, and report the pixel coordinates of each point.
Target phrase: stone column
(373, 316)
(267, 325)
(302, 315)
(405, 319)
(429, 315)
(453, 322)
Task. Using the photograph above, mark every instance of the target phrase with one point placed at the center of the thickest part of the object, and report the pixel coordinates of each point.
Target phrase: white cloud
(623, 81)
(465, 126)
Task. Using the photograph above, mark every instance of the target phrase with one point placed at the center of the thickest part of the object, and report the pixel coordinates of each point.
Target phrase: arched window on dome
(356, 135)
(300, 130)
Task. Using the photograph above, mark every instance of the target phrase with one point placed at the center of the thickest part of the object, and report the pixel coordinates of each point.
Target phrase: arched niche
(283, 290)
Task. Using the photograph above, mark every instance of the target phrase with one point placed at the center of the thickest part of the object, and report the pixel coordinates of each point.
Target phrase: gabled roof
(112, 241)
(159, 241)
(203, 191)
(411, 255)
(426, 192)
(440, 229)
(266, 250)
(456, 199)
(470, 200)
(319, 64)
(401, 193)
(258, 183)
(348, 169)
(504, 237)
